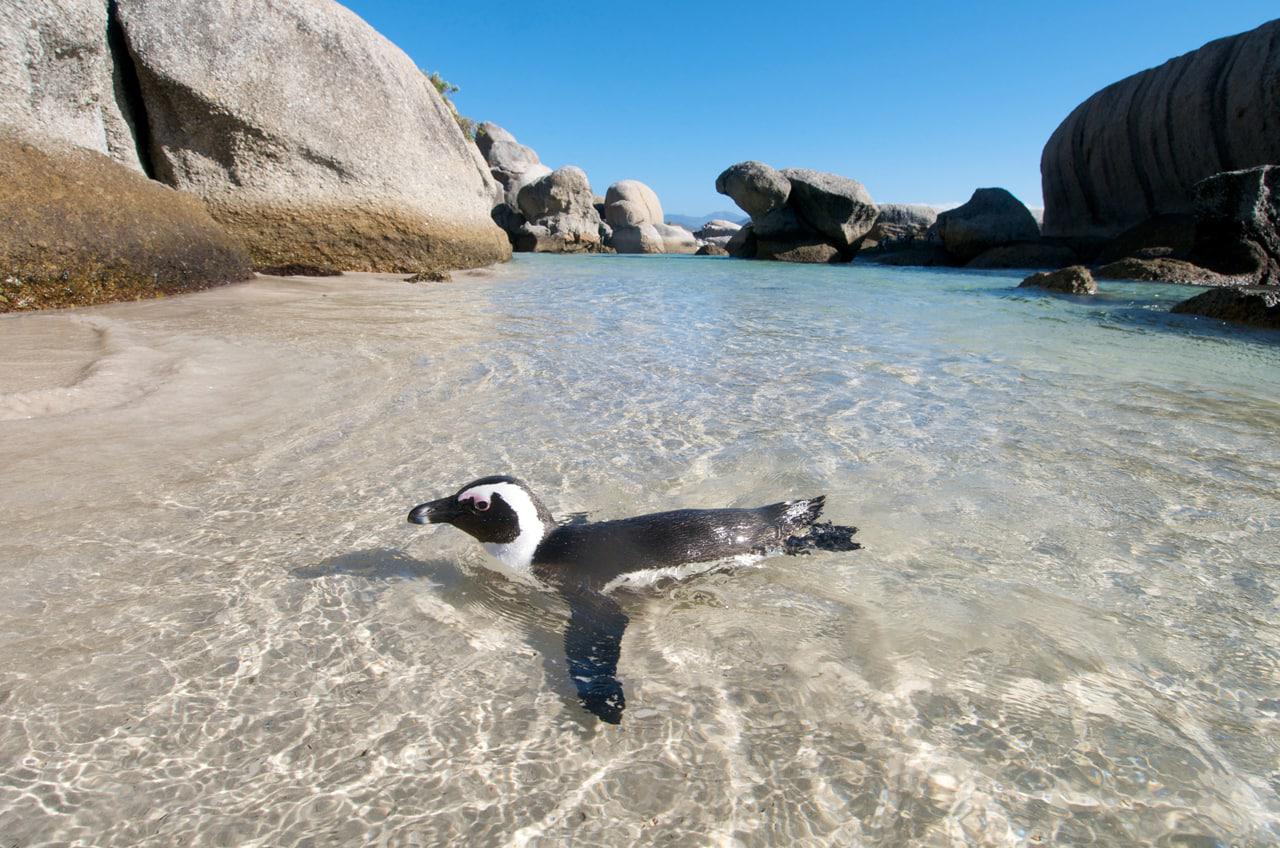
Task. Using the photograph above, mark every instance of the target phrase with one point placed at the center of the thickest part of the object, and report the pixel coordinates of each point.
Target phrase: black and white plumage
(582, 560)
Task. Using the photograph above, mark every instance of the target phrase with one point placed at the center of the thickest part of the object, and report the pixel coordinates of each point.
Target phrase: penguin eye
(481, 506)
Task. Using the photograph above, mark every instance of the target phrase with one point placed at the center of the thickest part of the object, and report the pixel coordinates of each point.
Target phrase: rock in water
(1162, 270)
(1073, 280)
(309, 135)
(837, 207)
(1259, 306)
(92, 230)
(1136, 148)
(755, 187)
(991, 218)
(58, 79)
(635, 216)
(712, 250)
(1238, 222)
(717, 229)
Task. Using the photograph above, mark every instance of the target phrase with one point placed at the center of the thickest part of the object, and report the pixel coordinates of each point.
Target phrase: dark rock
(1257, 306)
(1136, 148)
(838, 207)
(783, 236)
(1162, 271)
(712, 250)
(991, 218)
(79, 228)
(742, 245)
(1073, 280)
(1025, 255)
(1173, 234)
(297, 269)
(1238, 222)
(755, 187)
(431, 276)
(924, 254)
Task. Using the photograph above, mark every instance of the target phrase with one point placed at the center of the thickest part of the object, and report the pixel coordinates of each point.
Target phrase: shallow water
(218, 629)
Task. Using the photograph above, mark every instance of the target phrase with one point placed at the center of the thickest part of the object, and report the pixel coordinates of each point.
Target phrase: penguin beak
(443, 511)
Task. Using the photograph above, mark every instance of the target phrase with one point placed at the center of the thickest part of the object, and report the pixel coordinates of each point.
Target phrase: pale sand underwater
(216, 627)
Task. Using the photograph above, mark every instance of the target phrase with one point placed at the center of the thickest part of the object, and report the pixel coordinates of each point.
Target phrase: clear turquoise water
(217, 629)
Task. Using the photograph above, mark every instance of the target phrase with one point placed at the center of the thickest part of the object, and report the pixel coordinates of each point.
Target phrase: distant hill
(695, 222)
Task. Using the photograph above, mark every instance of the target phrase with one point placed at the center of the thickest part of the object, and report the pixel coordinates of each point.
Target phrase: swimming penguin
(581, 560)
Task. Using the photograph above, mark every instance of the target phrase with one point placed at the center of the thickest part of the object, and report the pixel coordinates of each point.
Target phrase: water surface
(218, 629)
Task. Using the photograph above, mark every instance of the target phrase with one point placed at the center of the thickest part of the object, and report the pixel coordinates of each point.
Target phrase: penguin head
(496, 510)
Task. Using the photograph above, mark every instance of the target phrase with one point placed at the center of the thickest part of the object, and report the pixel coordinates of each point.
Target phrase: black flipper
(822, 536)
(592, 645)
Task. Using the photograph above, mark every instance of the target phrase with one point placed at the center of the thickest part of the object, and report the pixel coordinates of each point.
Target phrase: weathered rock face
(742, 244)
(512, 165)
(1073, 280)
(560, 214)
(797, 215)
(712, 250)
(58, 76)
(78, 228)
(309, 135)
(1024, 255)
(1258, 306)
(899, 225)
(1170, 235)
(838, 207)
(1136, 148)
(755, 187)
(1162, 270)
(676, 239)
(991, 218)
(1238, 222)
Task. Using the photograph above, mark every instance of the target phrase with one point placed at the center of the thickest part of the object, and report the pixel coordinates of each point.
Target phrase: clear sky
(920, 101)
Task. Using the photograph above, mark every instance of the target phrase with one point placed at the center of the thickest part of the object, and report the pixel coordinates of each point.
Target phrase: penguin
(583, 560)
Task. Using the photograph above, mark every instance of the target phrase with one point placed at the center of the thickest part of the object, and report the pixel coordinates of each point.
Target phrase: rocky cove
(180, 165)
(1055, 431)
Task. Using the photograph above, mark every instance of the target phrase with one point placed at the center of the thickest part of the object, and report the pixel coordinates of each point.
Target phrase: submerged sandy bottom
(216, 627)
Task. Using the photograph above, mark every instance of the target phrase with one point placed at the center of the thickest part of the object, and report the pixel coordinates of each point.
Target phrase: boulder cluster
(797, 215)
(546, 211)
(185, 166)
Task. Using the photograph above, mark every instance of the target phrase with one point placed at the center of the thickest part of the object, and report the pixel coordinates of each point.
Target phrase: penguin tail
(799, 520)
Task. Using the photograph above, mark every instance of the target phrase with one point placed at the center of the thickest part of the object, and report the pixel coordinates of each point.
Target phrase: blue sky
(920, 101)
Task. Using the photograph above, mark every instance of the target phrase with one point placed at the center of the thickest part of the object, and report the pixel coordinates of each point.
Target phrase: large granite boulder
(838, 207)
(991, 218)
(512, 164)
(755, 187)
(1136, 148)
(63, 76)
(797, 215)
(634, 214)
(1257, 306)
(1238, 222)
(309, 135)
(560, 214)
(1073, 280)
(78, 228)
